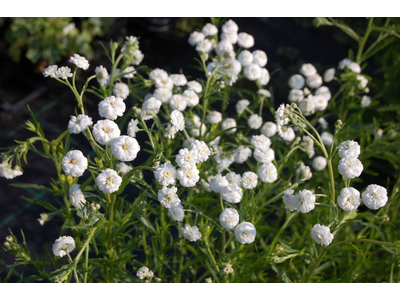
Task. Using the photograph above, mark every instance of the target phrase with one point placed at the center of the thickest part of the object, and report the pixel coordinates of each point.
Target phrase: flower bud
(9, 239)
(339, 124)
(7, 245)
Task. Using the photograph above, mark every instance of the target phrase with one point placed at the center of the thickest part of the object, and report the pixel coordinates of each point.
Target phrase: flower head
(245, 40)
(268, 129)
(296, 81)
(63, 73)
(349, 199)
(63, 245)
(195, 38)
(7, 172)
(112, 107)
(232, 193)
(254, 121)
(249, 180)
(229, 123)
(218, 182)
(349, 149)
(191, 233)
(350, 167)
(78, 124)
(150, 108)
(329, 74)
(245, 233)
(365, 101)
(194, 86)
(79, 61)
(50, 71)
(165, 174)
(252, 72)
(375, 196)
(203, 152)
(108, 181)
(125, 148)
(188, 176)
(229, 218)
(241, 106)
(77, 198)
(308, 70)
(121, 90)
(104, 131)
(74, 163)
(322, 235)
(176, 213)
(168, 197)
(133, 127)
(319, 163)
(241, 154)
(209, 29)
(268, 172)
(306, 201)
(102, 75)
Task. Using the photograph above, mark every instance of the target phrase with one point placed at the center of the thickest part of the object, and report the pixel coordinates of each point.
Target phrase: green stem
(315, 265)
(361, 44)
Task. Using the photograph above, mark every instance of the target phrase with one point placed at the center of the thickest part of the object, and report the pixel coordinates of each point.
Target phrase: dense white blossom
(74, 163)
(195, 38)
(281, 118)
(191, 97)
(267, 172)
(230, 26)
(241, 154)
(234, 178)
(168, 197)
(327, 138)
(365, 101)
(191, 233)
(241, 106)
(232, 193)
(245, 57)
(296, 95)
(268, 129)
(165, 174)
(125, 148)
(306, 201)
(329, 74)
(303, 172)
(204, 46)
(186, 158)
(319, 163)
(314, 81)
(308, 70)
(108, 181)
(176, 213)
(289, 135)
(121, 90)
(123, 168)
(260, 141)
(252, 72)
(63, 245)
(188, 176)
(260, 58)
(112, 107)
(209, 29)
(229, 123)
(162, 94)
(214, 117)
(245, 233)
(150, 108)
(78, 124)
(254, 121)
(375, 196)
(202, 150)
(229, 218)
(350, 167)
(218, 182)
(354, 67)
(249, 180)
(291, 201)
(344, 63)
(77, 198)
(63, 73)
(194, 86)
(349, 149)
(178, 79)
(322, 235)
(7, 172)
(177, 120)
(133, 127)
(104, 131)
(178, 102)
(264, 155)
(245, 40)
(50, 71)
(296, 81)
(79, 61)
(349, 199)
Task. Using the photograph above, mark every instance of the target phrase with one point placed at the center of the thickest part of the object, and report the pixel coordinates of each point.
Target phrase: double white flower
(74, 163)
(125, 148)
(112, 107)
(108, 181)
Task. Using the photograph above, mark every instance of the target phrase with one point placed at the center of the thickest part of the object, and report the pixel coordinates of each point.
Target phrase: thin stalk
(316, 264)
(361, 44)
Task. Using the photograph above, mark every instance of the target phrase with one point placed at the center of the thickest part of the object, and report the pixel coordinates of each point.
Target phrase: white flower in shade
(205, 46)
(150, 108)
(218, 182)
(322, 235)
(129, 72)
(232, 193)
(291, 201)
(308, 144)
(112, 107)
(223, 163)
(147, 97)
(375, 196)
(319, 163)
(104, 131)
(241, 154)
(186, 158)
(125, 148)
(191, 97)
(327, 138)
(178, 79)
(188, 177)
(101, 75)
(170, 131)
(203, 152)
(123, 168)
(164, 82)
(323, 123)
(260, 58)
(303, 172)
(162, 94)
(230, 26)
(249, 180)
(349, 149)
(191, 233)
(168, 197)
(295, 95)
(195, 38)
(378, 134)
(308, 70)
(74, 163)
(260, 141)
(195, 127)
(264, 93)
(78, 124)
(329, 74)
(229, 218)
(268, 129)
(349, 199)
(289, 135)
(320, 102)
(158, 74)
(178, 102)
(245, 40)
(79, 61)
(176, 213)
(133, 127)
(254, 121)
(50, 71)
(350, 167)
(306, 201)
(194, 86)
(232, 37)
(264, 77)
(252, 72)
(121, 90)
(108, 181)
(209, 29)
(281, 117)
(63, 73)
(7, 172)
(362, 81)
(177, 120)
(344, 63)
(314, 81)
(223, 46)
(205, 185)
(241, 106)
(229, 123)
(77, 198)
(354, 67)
(63, 245)
(268, 173)
(245, 57)
(137, 57)
(245, 233)
(43, 218)
(296, 81)
(143, 272)
(365, 101)
(324, 92)
(264, 155)
(307, 106)
(214, 117)
(165, 174)
(234, 178)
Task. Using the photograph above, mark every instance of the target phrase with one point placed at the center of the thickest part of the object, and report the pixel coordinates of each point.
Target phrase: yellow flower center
(73, 161)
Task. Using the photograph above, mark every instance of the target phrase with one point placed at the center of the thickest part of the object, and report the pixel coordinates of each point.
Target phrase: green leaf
(146, 222)
(46, 205)
(125, 181)
(282, 274)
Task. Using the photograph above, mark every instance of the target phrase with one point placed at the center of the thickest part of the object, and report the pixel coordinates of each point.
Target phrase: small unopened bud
(293, 105)
(98, 206)
(338, 124)
(9, 238)
(221, 84)
(208, 280)
(7, 245)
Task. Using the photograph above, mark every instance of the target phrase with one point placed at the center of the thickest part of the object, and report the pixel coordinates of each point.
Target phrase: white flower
(234, 178)
(112, 107)
(192, 99)
(281, 117)
(74, 163)
(307, 106)
(50, 71)
(218, 182)
(264, 77)
(362, 81)
(195, 38)
(7, 172)
(245, 40)
(222, 46)
(108, 181)
(104, 131)
(314, 81)
(230, 26)
(252, 72)
(264, 155)
(194, 86)
(209, 29)
(223, 163)
(350, 167)
(375, 196)
(143, 272)
(150, 108)
(229, 218)
(324, 92)
(260, 141)
(308, 70)
(195, 127)
(354, 67)
(208, 280)
(63, 73)
(170, 131)
(232, 193)
(129, 72)
(188, 176)
(79, 61)
(296, 81)
(164, 82)
(158, 74)
(232, 37)
(349, 149)
(137, 57)
(245, 233)
(241, 106)
(214, 117)
(186, 158)
(133, 127)
(191, 233)
(365, 101)
(176, 213)
(249, 180)
(168, 197)
(327, 138)
(329, 74)
(245, 57)
(264, 93)
(77, 198)
(101, 75)
(228, 57)
(203, 152)
(241, 154)
(349, 199)
(177, 120)
(323, 123)
(296, 95)
(320, 102)
(178, 102)
(125, 148)
(229, 123)
(319, 163)
(63, 245)
(268, 129)
(162, 94)
(78, 124)
(378, 134)
(306, 201)
(268, 172)
(123, 168)
(204, 46)
(43, 218)
(121, 90)
(322, 235)
(165, 174)
(254, 121)
(308, 146)
(344, 63)
(291, 201)
(289, 135)
(178, 79)
(303, 172)
(260, 58)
